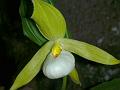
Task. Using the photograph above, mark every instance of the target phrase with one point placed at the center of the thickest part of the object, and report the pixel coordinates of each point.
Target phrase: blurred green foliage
(110, 85)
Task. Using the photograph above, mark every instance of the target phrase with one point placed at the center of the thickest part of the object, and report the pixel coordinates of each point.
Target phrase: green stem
(65, 78)
(66, 33)
(64, 83)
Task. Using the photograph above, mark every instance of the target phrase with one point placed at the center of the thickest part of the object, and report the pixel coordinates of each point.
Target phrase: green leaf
(74, 76)
(110, 85)
(89, 52)
(33, 67)
(49, 20)
(32, 32)
(25, 8)
(29, 27)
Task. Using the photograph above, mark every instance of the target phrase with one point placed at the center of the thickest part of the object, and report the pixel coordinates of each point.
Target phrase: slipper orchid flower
(55, 56)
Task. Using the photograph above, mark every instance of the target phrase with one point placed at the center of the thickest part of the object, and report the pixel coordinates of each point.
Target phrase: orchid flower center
(58, 63)
(56, 50)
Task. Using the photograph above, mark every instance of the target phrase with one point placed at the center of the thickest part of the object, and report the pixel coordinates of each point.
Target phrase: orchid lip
(60, 66)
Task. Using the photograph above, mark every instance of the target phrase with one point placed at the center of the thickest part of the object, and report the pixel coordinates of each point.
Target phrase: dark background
(94, 21)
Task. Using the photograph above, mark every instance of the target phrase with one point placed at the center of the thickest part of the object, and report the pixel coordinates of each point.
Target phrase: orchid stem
(65, 78)
(64, 83)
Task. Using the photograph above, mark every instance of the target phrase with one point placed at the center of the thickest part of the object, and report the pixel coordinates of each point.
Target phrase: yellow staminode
(56, 50)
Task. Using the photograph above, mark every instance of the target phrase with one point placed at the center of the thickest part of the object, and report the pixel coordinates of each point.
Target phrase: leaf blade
(32, 32)
(89, 52)
(29, 27)
(22, 8)
(25, 8)
(109, 85)
(32, 68)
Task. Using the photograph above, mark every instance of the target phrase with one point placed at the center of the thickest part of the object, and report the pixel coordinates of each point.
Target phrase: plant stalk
(64, 83)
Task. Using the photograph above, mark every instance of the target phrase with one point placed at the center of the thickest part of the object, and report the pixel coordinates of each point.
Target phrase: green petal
(89, 52)
(49, 20)
(33, 67)
(74, 76)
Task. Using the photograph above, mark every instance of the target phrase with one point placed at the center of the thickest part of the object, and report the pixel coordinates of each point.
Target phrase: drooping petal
(49, 20)
(57, 67)
(74, 76)
(32, 68)
(89, 52)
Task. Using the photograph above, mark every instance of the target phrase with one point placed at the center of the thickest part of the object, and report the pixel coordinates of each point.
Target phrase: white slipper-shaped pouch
(60, 66)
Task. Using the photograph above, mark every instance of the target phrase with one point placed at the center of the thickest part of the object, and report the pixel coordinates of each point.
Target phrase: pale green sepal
(49, 20)
(33, 67)
(74, 76)
(89, 52)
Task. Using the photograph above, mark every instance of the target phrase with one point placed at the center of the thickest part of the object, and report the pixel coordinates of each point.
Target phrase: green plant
(47, 26)
(109, 85)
